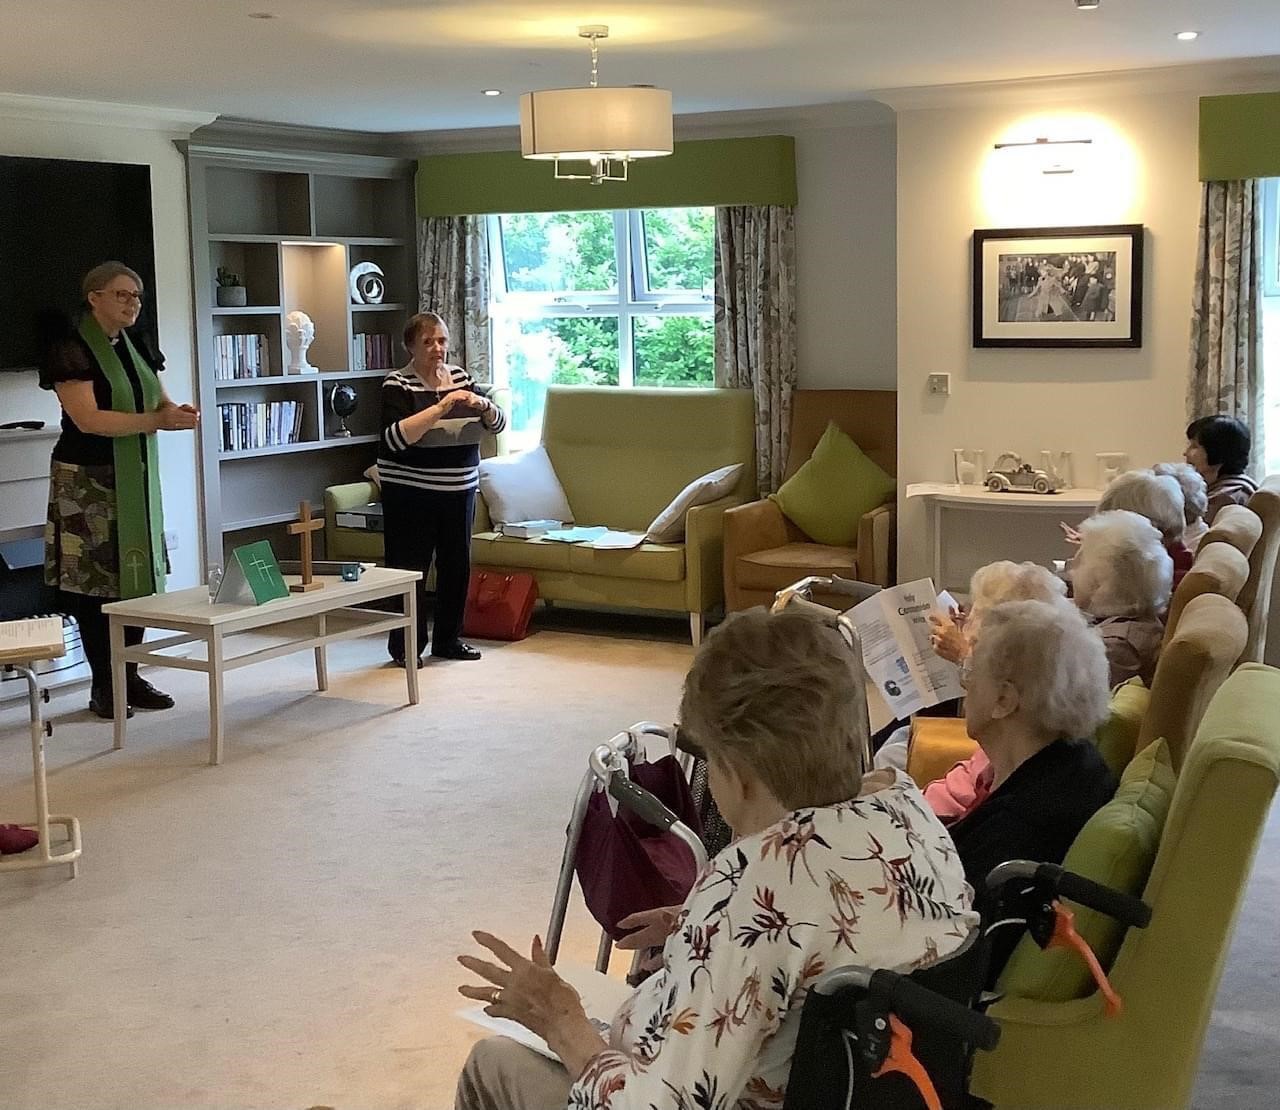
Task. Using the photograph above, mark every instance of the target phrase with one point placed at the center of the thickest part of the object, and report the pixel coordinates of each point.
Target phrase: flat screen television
(59, 219)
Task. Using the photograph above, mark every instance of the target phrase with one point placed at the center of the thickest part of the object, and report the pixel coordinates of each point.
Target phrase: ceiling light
(1088, 5)
(492, 92)
(606, 127)
(1187, 36)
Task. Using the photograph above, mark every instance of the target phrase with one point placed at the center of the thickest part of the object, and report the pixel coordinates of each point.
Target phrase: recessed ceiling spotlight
(1088, 5)
(1187, 36)
(492, 92)
(262, 15)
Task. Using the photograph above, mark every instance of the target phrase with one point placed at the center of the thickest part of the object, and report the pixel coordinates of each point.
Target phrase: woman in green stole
(105, 536)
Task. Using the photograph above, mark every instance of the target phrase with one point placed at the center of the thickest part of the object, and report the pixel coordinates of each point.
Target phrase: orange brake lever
(1065, 936)
(902, 1059)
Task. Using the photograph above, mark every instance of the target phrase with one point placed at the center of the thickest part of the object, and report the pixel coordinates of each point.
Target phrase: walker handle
(1125, 908)
(922, 1008)
(641, 802)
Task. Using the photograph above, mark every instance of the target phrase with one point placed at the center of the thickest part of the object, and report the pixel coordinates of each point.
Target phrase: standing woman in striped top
(433, 418)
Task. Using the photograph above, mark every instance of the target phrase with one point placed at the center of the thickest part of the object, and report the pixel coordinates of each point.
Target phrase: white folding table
(331, 614)
(43, 855)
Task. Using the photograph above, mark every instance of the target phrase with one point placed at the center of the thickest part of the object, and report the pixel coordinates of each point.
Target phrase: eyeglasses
(123, 296)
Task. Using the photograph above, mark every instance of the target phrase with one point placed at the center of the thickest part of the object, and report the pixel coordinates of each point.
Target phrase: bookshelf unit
(292, 225)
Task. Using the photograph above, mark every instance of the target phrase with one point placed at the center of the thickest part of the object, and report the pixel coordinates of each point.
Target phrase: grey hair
(1003, 581)
(1122, 568)
(1157, 497)
(1195, 496)
(1054, 660)
(780, 696)
(104, 273)
(417, 322)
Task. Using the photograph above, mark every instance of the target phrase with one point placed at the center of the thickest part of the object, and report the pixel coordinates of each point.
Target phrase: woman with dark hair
(433, 418)
(104, 539)
(1218, 447)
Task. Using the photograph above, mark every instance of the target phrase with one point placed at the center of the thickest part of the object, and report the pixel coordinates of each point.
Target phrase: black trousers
(95, 633)
(420, 526)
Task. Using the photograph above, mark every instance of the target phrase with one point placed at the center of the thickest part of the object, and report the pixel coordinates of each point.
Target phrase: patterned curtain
(1226, 330)
(453, 281)
(756, 323)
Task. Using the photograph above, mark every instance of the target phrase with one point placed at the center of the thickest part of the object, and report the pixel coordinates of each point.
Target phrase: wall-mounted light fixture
(1057, 164)
(604, 127)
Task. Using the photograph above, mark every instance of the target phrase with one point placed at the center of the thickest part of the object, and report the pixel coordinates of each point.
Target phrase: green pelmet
(139, 514)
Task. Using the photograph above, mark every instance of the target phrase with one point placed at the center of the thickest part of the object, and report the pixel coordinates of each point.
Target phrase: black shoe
(102, 704)
(398, 660)
(455, 650)
(142, 695)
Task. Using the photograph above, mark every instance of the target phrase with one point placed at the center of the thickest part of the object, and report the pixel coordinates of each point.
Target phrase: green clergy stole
(139, 515)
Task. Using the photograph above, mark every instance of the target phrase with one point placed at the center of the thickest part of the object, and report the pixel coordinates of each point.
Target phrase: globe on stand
(342, 403)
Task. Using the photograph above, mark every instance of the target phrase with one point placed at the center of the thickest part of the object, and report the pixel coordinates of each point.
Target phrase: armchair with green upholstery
(1067, 1055)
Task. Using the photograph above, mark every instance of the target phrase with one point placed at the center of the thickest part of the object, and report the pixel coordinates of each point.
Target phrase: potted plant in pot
(231, 290)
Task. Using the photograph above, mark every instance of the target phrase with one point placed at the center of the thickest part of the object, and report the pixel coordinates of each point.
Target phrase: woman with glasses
(104, 539)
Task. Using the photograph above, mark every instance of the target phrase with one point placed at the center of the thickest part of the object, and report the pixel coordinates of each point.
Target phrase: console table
(320, 617)
(969, 526)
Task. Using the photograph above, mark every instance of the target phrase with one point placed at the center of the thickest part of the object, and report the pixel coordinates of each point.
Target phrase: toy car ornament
(1011, 474)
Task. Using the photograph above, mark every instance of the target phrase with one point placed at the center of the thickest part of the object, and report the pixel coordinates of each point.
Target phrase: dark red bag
(499, 605)
(624, 864)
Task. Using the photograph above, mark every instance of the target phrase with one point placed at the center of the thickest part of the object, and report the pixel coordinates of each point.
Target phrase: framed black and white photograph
(1058, 286)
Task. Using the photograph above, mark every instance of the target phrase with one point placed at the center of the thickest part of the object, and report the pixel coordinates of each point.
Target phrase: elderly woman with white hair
(1035, 692)
(1160, 499)
(1122, 577)
(830, 867)
(1195, 500)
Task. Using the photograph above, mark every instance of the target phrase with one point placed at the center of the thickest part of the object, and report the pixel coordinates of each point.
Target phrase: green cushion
(1117, 848)
(1118, 736)
(831, 492)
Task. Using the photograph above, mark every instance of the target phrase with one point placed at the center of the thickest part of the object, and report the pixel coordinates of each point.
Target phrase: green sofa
(621, 456)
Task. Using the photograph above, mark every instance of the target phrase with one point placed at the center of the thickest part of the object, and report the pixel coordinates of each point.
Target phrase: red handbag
(499, 605)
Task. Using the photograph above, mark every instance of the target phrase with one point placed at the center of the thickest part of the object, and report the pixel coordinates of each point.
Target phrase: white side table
(43, 854)
(1018, 526)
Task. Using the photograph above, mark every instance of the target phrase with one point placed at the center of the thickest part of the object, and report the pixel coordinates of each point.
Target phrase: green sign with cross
(258, 562)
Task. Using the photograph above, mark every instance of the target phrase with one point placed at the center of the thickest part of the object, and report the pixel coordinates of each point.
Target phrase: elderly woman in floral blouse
(829, 868)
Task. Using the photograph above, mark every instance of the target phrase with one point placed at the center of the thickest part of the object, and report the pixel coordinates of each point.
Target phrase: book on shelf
(237, 357)
(249, 427)
(371, 351)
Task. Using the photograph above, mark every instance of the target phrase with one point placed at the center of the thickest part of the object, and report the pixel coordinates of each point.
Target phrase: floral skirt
(81, 553)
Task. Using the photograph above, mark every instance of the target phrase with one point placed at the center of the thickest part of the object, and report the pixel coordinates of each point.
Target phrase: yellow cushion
(657, 561)
(830, 494)
(1118, 736)
(1116, 848)
(489, 549)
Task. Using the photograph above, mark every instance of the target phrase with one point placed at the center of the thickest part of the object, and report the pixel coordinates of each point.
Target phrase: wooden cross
(303, 529)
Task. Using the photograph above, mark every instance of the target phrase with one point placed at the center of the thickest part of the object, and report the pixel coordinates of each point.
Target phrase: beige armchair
(764, 551)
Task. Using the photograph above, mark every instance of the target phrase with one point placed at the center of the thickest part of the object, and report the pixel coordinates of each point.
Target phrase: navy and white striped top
(447, 458)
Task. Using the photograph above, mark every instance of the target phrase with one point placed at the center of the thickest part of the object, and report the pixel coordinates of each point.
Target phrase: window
(600, 298)
(1270, 313)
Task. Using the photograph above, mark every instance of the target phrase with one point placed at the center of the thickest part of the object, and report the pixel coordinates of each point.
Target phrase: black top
(1036, 814)
(69, 360)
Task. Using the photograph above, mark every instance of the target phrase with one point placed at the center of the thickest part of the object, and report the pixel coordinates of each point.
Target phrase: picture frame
(1070, 287)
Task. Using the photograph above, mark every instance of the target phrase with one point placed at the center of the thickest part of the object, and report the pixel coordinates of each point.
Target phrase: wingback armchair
(764, 551)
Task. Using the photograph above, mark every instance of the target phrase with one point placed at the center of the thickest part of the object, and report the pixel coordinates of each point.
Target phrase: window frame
(1271, 237)
(632, 300)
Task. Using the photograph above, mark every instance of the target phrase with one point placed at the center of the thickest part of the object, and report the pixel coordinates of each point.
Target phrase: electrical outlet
(170, 541)
(939, 384)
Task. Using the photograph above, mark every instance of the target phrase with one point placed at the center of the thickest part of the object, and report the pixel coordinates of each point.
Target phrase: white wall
(34, 129)
(1141, 169)
(845, 249)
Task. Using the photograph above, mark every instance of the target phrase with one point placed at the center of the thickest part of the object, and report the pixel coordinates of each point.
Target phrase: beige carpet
(279, 931)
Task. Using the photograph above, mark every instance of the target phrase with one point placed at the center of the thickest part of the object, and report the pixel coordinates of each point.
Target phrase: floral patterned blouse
(872, 881)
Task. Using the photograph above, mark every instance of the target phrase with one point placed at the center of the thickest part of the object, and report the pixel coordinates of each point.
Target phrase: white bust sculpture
(299, 333)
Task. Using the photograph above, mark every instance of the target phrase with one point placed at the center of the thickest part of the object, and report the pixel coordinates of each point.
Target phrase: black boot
(102, 703)
(141, 694)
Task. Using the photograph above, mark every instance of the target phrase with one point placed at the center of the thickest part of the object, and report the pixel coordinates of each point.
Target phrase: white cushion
(523, 486)
(373, 476)
(668, 525)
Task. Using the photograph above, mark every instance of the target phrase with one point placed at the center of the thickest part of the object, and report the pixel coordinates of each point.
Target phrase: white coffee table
(333, 614)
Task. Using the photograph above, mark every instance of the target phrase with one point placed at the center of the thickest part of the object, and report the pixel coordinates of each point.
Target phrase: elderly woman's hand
(529, 991)
(946, 636)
